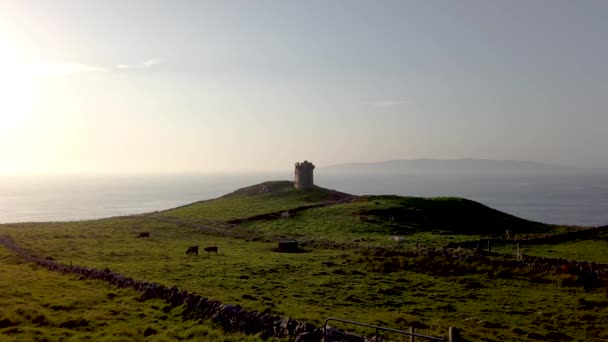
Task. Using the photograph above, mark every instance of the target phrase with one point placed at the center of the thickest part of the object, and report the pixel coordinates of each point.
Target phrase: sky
(215, 86)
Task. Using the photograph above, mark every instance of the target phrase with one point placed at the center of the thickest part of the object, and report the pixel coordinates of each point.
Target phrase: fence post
(412, 337)
(454, 334)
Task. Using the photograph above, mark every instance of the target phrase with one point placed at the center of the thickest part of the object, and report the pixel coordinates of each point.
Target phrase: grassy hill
(446, 214)
(322, 215)
(414, 219)
(255, 200)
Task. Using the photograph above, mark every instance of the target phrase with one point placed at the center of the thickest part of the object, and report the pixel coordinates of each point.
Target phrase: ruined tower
(304, 178)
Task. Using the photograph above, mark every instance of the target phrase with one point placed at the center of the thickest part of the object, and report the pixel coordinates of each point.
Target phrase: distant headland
(466, 165)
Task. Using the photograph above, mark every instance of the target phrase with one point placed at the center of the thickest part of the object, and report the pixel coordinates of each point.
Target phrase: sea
(567, 198)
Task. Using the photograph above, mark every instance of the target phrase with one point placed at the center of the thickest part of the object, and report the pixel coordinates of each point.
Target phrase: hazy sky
(131, 86)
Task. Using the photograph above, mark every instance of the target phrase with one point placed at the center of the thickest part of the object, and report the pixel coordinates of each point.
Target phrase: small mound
(263, 188)
(255, 202)
(286, 188)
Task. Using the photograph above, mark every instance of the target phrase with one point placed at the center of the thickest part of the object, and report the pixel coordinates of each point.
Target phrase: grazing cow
(285, 214)
(192, 250)
(565, 268)
(144, 235)
(211, 249)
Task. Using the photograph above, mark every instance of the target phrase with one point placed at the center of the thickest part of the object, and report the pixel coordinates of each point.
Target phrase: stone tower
(304, 178)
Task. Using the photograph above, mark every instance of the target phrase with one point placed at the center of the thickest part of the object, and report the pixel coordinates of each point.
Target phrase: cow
(192, 250)
(211, 249)
(144, 235)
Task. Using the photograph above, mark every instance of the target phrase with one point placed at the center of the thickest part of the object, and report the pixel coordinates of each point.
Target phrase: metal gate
(335, 335)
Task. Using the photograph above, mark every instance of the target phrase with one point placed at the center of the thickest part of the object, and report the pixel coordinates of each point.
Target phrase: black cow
(192, 250)
(211, 249)
(144, 235)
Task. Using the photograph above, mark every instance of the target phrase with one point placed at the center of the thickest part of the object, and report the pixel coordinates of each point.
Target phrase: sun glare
(17, 87)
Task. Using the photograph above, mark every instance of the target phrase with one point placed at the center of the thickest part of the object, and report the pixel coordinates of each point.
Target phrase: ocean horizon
(568, 199)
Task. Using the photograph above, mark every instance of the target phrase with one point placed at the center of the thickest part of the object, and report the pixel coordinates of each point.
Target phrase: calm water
(566, 199)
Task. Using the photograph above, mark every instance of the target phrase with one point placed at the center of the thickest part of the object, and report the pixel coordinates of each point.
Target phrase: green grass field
(320, 283)
(348, 282)
(39, 305)
(587, 250)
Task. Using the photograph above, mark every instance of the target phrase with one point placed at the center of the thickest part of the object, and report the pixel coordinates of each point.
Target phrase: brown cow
(144, 235)
(192, 250)
(211, 249)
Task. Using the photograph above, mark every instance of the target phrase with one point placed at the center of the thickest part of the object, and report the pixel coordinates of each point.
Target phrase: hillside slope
(267, 197)
(451, 214)
(432, 220)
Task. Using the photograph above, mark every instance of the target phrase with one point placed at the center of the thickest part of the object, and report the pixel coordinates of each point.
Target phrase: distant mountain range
(483, 166)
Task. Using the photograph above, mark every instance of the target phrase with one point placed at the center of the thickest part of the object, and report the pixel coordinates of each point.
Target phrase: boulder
(288, 246)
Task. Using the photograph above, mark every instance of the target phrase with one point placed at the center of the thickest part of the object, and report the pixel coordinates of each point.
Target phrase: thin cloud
(43, 68)
(151, 62)
(147, 64)
(388, 103)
